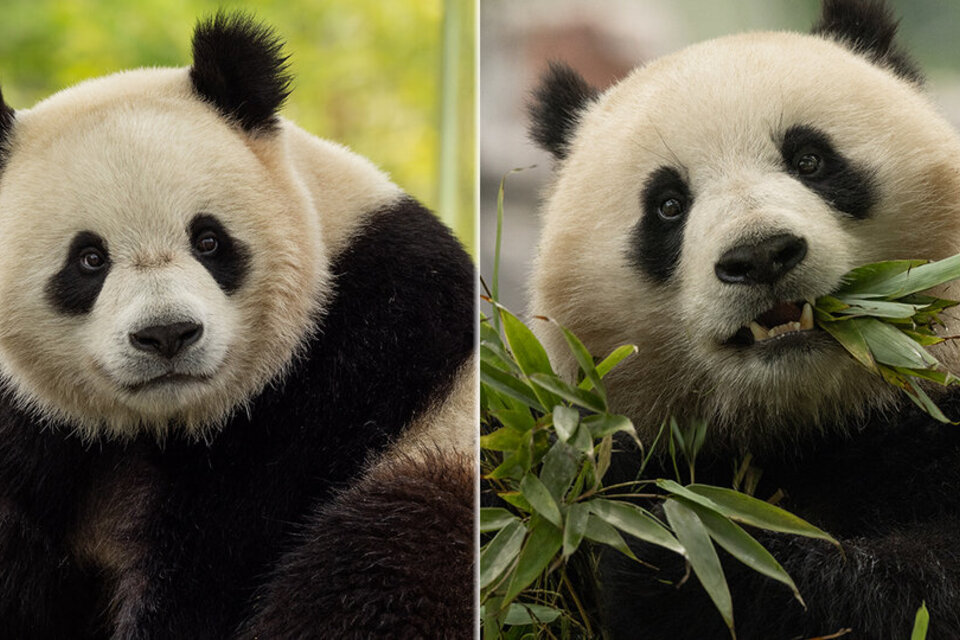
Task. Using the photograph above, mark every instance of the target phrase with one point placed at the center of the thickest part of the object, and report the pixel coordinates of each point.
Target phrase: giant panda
(237, 371)
(700, 203)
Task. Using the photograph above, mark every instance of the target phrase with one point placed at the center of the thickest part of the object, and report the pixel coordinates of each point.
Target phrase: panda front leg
(874, 589)
(177, 589)
(186, 548)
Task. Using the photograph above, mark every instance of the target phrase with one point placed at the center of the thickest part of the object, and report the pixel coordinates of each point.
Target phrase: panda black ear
(239, 67)
(6, 125)
(556, 108)
(868, 27)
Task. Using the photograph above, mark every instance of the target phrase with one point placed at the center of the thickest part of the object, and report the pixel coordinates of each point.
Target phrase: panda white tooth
(806, 317)
(759, 333)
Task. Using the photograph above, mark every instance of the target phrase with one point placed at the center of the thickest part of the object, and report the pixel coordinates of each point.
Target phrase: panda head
(701, 202)
(160, 262)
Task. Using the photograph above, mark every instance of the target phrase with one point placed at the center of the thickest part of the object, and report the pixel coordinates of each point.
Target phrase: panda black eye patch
(657, 238)
(226, 258)
(811, 158)
(74, 288)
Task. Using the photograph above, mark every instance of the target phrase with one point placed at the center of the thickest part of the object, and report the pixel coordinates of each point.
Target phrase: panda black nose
(763, 262)
(167, 340)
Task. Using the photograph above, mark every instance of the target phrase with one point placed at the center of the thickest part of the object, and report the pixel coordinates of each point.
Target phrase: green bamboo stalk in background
(456, 198)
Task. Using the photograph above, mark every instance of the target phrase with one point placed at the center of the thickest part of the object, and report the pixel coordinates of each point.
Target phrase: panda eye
(206, 243)
(92, 260)
(671, 208)
(808, 164)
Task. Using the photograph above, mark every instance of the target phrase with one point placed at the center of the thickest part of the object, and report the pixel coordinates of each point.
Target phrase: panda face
(706, 198)
(158, 265)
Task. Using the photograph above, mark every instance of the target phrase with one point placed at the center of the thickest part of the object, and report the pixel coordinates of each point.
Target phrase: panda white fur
(237, 369)
(726, 185)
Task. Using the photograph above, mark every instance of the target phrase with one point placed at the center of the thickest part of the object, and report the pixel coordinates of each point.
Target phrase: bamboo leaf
(488, 334)
(604, 456)
(917, 279)
(500, 552)
(538, 495)
(943, 378)
(491, 615)
(605, 424)
(617, 356)
(923, 337)
(916, 393)
(514, 464)
(519, 420)
(581, 440)
(879, 308)
(746, 509)
(829, 305)
(634, 521)
(698, 429)
(560, 467)
(565, 421)
(890, 346)
(574, 527)
(505, 439)
(869, 277)
(599, 531)
(850, 338)
(542, 545)
(574, 395)
(527, 350)
(516, 499)
(702, 557)
(585, 360)
(921, 623)
(509, 385)
(528, 353)
(677, 434)
(742, 546)
(495, 358)
(522, 614)
(494, 518)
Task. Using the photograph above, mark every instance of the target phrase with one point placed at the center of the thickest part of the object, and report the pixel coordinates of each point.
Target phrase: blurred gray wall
(603, 39)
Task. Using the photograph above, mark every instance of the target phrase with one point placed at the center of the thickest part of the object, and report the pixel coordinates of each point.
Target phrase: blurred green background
(368, 73)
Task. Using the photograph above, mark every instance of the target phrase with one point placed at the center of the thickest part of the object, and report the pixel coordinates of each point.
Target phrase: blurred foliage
(927, 27)
(367, 72)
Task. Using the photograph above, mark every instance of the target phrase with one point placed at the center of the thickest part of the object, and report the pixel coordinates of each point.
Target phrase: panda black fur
(299, 465)
(822, 149)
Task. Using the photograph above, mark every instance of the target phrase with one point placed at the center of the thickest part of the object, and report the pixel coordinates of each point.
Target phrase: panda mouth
(783, 319)
(169, 378)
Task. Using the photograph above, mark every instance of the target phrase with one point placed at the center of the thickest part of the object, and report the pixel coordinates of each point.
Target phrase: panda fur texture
(238, 376)
(725, 184)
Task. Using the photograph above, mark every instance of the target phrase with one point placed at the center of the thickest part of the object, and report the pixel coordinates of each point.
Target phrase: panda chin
(166, 381)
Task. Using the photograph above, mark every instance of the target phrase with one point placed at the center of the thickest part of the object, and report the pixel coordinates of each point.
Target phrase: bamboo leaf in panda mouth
(881, 316)
(898, 279)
